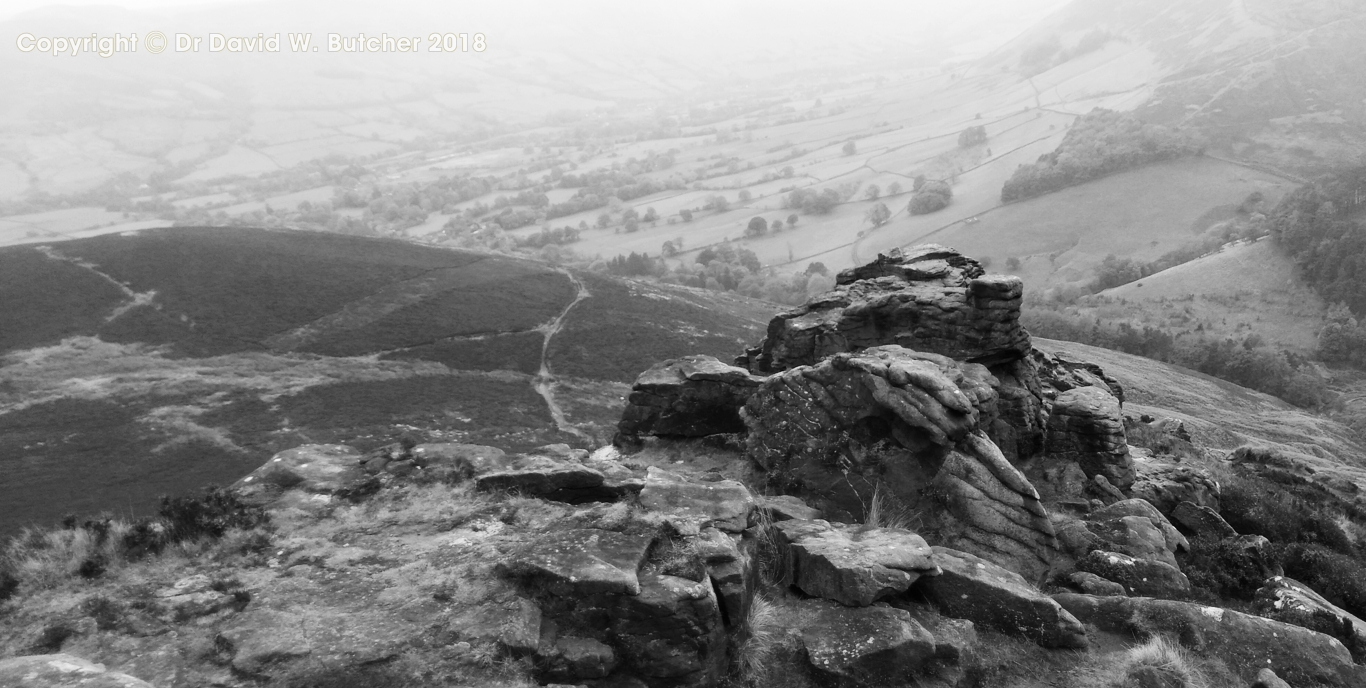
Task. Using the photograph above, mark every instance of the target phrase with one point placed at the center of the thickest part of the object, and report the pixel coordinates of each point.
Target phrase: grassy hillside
(1221, 414)
(1242, 290)
(1139, 214)
(132, 366)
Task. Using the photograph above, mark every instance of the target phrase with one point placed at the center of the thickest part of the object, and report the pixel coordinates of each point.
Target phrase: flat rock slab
(724, 504)
(1138, 576)
(1244, 642)
(869, 646)
(584, 561)
(542, 476)
(854, 565)
(787, 507)
(475, 458)
(996, 598)
(62, 671)
(318, 468)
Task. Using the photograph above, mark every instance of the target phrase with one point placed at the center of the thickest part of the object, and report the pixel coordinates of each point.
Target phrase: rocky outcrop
(732, 563)
(1085, 426)
(583, 561)
(691, 396)
(724, 504)
(1165, 484)
(1202, 521)
(892, 419)
(1060, 374)
(1288, 600)
(786, 507)
(605, 611)
(62, 671)
(992, 597)
(1136, 528)
(930, 298)
(1138, 576)
(1245, 643)
(1267, 678)
(852, 565)
(867, 647)
(326, 469)
(992, 510)
(1091, 584)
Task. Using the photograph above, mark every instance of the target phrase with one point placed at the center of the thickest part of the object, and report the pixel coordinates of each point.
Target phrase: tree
(685, 214)
(583, 225)
(918, 182)
(932, 196)
(745, 195)
(775, 226)
(650, 215)
(792, 220)
(604, 220)
(972, 136)
(629, 214)
(850, 148)
(757, 227)
(872, 192)
(878, 215)
(631, 225)
(1012, 263)
(817, 268)
(669, 249)
(894, 188)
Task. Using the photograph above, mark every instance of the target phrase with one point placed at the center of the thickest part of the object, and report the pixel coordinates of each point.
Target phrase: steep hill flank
(149, 364)
(1243, 290)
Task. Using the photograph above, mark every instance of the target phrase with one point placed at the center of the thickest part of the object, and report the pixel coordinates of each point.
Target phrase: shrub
(1341, 579)
(1160, 662)
(1223, 568)
(190, 518)
(1254, 506)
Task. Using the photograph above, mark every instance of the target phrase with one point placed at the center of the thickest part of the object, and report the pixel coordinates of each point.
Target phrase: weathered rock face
(1022, 409)
(1288, 600)
(1085, 426)
(317, 468)
(853, 565)
(62, 671)
(724, 504)
(650, 601)
(1138, 576)
(989, 596)
(867, 647)
(931, 299)
(1062, 374)
(1166, 484)
(902, 421)
(553, 472)
(1202, 521)
(1246, 643)
(993, 511)
(604, 611)
(808, 415)
(1136, 528)
(691, 396)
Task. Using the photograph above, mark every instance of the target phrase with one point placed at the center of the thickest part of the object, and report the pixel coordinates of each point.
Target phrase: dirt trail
(135, 298)
(545, 381)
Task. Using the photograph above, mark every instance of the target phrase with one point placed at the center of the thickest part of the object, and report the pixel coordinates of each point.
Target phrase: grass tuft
(763, 634)
(1160, 662)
